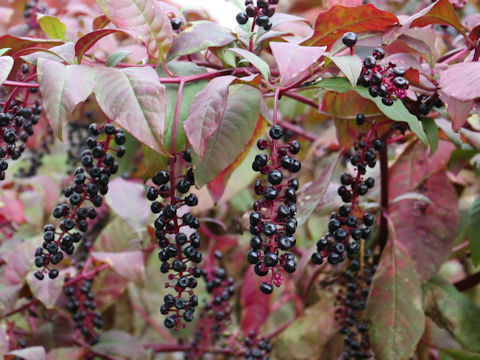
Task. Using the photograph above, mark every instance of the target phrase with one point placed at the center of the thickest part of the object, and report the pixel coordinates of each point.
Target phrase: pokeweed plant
(135, 136)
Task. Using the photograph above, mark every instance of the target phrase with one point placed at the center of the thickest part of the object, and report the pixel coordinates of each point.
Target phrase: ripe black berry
(349, 39)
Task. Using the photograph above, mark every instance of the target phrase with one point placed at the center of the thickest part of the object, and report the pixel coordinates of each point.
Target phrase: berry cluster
(349, 224)
(32, 8)
(179, 242)
(81, 304)
(90, 183)
(16, 125)
(77, 134)
(272, 222)
(215, 316)
(386, 81)
(257, 348)
(350, 306)
(261, 13)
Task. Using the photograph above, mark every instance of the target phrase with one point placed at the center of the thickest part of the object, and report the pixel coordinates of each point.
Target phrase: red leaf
(88, 40)
(293, 60)
(255, 304)
(11, 207)
(459, 111)
(100, 22)
(333, 23)
(19, 43)
(426, 230)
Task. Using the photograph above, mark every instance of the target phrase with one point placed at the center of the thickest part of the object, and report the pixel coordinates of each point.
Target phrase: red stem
(15, 92)
(20, 84)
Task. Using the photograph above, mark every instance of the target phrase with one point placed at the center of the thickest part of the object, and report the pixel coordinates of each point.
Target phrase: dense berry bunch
(16, 126)
(90, 182)
(261, 13)
(32, 8)
(179, 242)
(81, 304)
(386, 81)
(257, 347)
(349, 225)
(272, 222)
(350, 306)
(215, 316)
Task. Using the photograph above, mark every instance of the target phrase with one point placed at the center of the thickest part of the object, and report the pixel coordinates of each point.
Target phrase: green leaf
(453, 311)
(52, 26)
(253, 59)
(116, 57)
(351, 66)
(394, 305)
(6, 65)
(395, 112)
(198, 36)
(147, 19)
(4, 51)
(459, 354)
(236, 128)
(135, 100)
(473, 231)
(62, 88)
(431, 130)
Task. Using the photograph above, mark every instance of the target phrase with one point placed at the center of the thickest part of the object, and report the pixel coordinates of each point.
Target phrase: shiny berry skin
(349, 39)
(317, 258)
(242, 18)
(369, 62)
(266, 288)
(176, 23)
(275, 177)
(276, 132)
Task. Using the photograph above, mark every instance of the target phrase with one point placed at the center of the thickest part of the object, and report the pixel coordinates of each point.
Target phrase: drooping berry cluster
(261, 13)
(350, 306)
(257, 347)
(32, 8)
(81, 304)
(349, 224)
(215, 316)
(90, 182)
(386, 81)
(272, 222)
(179, 242)
(16, 126)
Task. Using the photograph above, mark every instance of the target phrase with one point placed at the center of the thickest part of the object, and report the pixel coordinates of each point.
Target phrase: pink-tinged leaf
(16, 43)
(8, 297)
(460, 81)
(88, 40)
(127, 200)
(11, 207)
(6, 65)
(459, 111)
(311, 194)
(394, 305)
(70, 353)
(100, 22)
(129, 264)
(255, 305)
(230, 140)
(46, 290)
(135, 100)
(62, 53)
(19, 262)
(5, 14)
(253, 59)
(147, 19)
(62, 88)
(440, 12)
(331, 24)
(427, 231)
(198, 36)
(351, 66)
(30, 353)
(3, 341)
(119, 343)
(206, 113)
(294, 60)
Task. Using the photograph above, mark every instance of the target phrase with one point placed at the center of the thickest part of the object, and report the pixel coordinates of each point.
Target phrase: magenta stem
(14, 92)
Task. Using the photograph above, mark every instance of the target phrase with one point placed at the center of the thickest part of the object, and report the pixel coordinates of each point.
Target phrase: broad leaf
(62, 53)
(351, 66)
(331, 24)
(453, 311)
(6, 65)
(16, 43)
(52, 26)
(394, 305)
(396, 112)
(117, 57)
(100, 22)
(127, 199)
(119, 343)
(255, 305)
(426, 230)
(474, 231)
(459, 111)
(460, 81)
(135, 100)
(431, 130)
(459, 354)
(294, 60)
(62, 88)
(253, 59)
(46, 290)
(88, 40)
(147, 19)
(198, 36)
(206, 113)
(30, 353)
(236, 128)
(128, 264)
